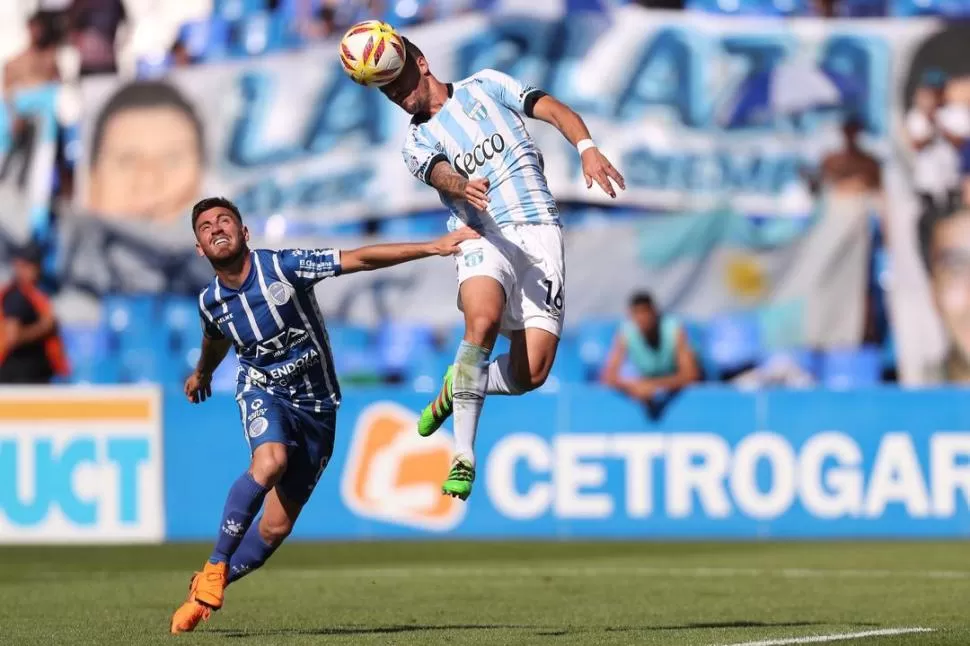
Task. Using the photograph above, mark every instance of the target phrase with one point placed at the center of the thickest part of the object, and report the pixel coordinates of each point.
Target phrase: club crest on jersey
(258, 426)
(279, 294)
(476, 111)
(413, 163)
(474, 258)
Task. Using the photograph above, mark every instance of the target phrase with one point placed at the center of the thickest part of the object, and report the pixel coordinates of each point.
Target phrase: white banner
(670, 98)
(81, 465)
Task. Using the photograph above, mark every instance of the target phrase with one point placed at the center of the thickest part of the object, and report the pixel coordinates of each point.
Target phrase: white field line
(837, 637)
(619, 570)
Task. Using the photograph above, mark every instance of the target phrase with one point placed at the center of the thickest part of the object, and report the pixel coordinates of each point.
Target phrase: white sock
(468, 394)
(500, 381)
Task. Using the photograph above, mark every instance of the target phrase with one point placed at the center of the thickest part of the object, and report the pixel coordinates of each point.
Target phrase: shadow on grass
(546, 631)
(362, 630)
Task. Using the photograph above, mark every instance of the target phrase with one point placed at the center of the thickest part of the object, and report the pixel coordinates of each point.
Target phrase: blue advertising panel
(582, 462)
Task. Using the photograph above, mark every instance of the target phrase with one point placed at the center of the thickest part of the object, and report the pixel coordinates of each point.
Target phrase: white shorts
(528, 261)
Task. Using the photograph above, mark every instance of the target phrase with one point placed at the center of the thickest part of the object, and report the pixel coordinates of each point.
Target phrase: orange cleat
(205, 595)
(209, 585)
(188, 616)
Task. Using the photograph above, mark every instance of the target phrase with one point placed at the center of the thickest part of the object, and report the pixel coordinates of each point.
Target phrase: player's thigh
(541, 278)
(485, 278)
(315, 432)
(264, 419)
(484, 303)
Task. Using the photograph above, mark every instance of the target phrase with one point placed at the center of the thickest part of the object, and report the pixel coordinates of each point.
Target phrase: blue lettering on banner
(268, 196)
(344, 109)
(54, 473)
(669, 72)
(709, 172)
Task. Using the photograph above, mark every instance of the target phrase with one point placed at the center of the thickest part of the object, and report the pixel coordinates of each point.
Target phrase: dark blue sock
(250, 555)
(245, 498)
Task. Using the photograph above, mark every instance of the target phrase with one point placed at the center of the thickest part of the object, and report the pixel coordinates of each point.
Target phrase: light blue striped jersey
(479, 131)
(275, 324)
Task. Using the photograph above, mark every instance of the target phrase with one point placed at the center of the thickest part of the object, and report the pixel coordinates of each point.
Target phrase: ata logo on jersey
(281, 343)
(394, 475)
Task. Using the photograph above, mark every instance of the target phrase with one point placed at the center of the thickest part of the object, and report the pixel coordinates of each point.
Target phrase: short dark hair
(412, 50)
(642, 299)
(211, 203)
(145, 94)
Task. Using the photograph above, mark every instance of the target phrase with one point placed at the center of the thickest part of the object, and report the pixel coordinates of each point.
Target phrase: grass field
(498, 593)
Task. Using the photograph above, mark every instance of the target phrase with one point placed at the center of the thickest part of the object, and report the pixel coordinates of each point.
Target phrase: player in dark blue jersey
(261, 303)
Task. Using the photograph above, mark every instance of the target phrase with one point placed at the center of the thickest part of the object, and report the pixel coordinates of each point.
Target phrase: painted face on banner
(148, 163)
(950, 278)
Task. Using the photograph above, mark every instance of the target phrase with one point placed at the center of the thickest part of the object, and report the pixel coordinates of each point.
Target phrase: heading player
(261, 302)
(468, 140)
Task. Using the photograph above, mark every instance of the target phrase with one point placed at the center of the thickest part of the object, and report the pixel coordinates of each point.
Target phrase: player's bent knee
(274, 532)
(269, 463)
(538, 376)
(481, 329)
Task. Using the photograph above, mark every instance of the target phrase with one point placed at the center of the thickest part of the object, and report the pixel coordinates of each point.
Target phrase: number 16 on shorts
(553, 295)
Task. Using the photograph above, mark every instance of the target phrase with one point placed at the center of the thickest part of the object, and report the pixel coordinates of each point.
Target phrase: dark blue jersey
(275, 324)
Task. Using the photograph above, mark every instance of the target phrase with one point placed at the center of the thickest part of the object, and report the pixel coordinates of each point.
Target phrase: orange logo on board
(395, 475)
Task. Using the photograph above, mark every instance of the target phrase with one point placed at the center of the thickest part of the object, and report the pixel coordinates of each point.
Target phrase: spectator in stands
(321, 24)
(94, 24)
(147, 153)
(852, 170)
(936, 156)
(657, 346)
(35, 66)
(32, 352)
(945, 246)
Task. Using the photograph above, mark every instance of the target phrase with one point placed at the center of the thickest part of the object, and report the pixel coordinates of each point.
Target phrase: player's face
(148, 165)
(950, 276)
(644, 318)
(412, 89)
(220, 236)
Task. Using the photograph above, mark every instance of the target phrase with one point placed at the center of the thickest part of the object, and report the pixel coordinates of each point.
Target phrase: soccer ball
(372, 53)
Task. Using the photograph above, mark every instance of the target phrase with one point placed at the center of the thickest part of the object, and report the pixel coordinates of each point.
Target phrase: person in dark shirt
(31, 351)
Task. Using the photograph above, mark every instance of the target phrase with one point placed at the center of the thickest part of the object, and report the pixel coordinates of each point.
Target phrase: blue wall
(586, 463)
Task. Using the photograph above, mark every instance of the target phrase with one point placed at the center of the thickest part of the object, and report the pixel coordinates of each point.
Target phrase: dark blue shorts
(309, 435)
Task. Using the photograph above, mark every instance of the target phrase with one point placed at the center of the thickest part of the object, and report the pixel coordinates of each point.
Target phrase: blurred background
(797, 211)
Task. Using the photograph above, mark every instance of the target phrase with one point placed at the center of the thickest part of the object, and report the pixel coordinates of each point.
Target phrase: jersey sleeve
(305, 268)
(209, 327)
(421, 154)
(510, 92)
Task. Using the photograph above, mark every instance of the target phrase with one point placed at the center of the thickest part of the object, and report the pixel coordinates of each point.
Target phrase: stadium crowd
(63, 41)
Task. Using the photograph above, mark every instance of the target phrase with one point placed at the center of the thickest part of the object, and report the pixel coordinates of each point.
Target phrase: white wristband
(584, 145)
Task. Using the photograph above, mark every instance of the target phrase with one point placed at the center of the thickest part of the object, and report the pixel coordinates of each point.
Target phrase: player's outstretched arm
(447, 180)
(198, 386)
(385, 255)
(595, 165)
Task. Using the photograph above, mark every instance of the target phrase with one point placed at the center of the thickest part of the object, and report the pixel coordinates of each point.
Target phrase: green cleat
(435, 413)
(460, 479)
